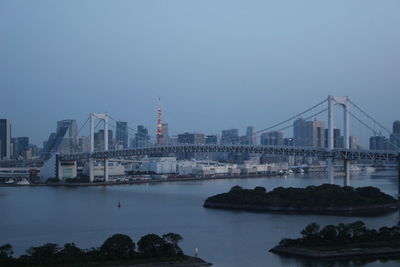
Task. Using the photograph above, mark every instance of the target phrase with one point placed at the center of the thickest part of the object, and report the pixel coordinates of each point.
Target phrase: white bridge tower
(343, 102)
(103, 117)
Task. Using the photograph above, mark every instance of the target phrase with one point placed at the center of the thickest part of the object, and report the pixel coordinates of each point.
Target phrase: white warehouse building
(161, 165)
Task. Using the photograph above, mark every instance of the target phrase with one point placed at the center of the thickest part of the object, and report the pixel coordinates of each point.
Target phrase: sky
(215, 64)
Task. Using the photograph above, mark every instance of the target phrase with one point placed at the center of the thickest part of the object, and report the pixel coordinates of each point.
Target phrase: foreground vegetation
(343, 240)
(117, 249)
(325, 198)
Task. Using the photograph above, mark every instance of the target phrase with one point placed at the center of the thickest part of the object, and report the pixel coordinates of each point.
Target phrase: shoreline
(150, 181)
(353, 253)
(366, 211)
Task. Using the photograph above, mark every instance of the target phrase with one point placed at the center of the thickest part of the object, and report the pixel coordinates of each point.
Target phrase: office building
(122, 134)
(272, 138)
(142, 138)
(211, 140)
(191, 138)
(378, 142)
(308, 133)
(5, 139)
(230, 136)
(251, 138)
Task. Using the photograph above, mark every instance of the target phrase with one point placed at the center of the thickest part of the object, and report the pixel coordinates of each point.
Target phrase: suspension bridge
(328, 153)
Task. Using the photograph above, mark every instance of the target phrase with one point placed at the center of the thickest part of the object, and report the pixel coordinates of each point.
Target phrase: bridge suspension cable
(369, 117)
(291, 118)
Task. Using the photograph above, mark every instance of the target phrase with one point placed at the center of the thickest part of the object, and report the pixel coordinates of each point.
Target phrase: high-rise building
(211, 140)
(308, 133)
(5, 139)
(338, 140)
(160, 135)
(251, 138)
(20, 145)
(288, 141)
(64, 140)
(353, 142)
(99, 140)
(191, 138)
(142, 138)
(396, 127)
(378, 142)
(230, 136)
(122, 134)
(69, 142)
(165, 132)
(395, 136)
(274, 138)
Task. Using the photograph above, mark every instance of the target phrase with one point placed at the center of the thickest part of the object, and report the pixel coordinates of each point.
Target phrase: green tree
(172, 240)
(152, 245)
(311, 231)
(71, 252)
(6, 252)
(118, 245)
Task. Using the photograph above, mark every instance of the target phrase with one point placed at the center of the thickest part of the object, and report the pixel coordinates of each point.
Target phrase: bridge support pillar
(91, 172)
(105, 170)
(346, 178)
(330, 171)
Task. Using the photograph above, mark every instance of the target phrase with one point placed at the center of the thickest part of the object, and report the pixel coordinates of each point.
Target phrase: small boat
(119, 204)
(10, 181)
(289, 171)
(300, 170)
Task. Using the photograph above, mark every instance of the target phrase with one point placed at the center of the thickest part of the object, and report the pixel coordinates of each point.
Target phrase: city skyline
(255, 70)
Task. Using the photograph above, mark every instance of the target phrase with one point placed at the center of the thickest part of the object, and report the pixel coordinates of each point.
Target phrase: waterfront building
(5, 139)
(122, 134)
(159, 165)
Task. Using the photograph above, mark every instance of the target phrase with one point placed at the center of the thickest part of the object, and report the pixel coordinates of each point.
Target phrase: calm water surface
(88, 215)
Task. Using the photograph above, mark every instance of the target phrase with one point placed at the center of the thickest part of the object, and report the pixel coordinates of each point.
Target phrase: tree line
(323, 196)
(117, 247)
(345, 235)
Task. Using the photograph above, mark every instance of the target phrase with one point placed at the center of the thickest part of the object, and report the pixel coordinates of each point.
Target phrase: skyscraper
(69, 142)
(274, 138)
(251, 138)
(142, 138)
(160, 136)
(165, 132)
(378, 142)
(5, 139)
(122, 134)
(230, 136)
(396, 127)
(308, 133)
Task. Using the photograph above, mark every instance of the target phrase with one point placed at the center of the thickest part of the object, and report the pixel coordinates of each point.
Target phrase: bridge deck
(322, 153)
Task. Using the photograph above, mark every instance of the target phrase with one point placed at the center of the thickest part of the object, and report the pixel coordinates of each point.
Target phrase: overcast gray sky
(215, 64)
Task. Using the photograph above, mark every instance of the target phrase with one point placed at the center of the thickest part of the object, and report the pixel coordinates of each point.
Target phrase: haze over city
(199, 133)
(215, 64)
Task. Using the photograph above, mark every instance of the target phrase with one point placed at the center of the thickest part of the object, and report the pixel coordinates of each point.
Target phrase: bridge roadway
(322, 153)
